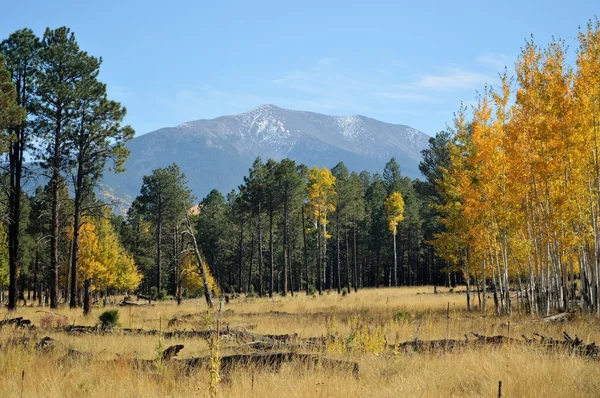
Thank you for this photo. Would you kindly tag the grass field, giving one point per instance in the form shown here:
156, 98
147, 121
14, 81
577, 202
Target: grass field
375, 318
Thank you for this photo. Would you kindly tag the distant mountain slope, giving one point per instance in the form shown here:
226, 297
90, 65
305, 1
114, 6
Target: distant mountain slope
217, 153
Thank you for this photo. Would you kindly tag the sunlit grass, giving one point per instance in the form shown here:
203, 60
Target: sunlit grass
389, 315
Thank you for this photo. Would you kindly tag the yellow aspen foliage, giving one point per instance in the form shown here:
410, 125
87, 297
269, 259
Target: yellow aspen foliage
127, 278
4, 271
521, 198
321, 196
394, 207
191, 279
102, 259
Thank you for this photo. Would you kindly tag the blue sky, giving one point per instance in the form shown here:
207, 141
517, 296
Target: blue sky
401, 63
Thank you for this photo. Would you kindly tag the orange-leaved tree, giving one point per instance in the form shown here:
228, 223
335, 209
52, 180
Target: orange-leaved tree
321, 202
394, 207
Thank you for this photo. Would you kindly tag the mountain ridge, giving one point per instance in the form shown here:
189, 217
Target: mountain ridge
216, 153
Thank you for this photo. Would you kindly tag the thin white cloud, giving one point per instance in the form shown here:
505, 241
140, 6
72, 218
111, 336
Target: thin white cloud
497, 61
454, 79
330, 86
404, 96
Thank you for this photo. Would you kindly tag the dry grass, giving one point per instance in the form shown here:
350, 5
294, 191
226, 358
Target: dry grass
391, 315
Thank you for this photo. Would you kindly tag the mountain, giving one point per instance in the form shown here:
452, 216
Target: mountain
217, 153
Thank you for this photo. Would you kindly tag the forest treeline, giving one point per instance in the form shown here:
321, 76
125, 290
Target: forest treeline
521, 195
509, 201
288, 228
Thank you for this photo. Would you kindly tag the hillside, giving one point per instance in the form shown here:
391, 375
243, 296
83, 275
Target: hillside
217, 153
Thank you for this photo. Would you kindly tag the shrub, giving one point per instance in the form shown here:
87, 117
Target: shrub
251, 292
345, 291
109, 319
153, 292
401, 316
162, 294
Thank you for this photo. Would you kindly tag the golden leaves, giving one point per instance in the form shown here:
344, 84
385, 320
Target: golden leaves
321, 196
394, 207
102, 258
526, 176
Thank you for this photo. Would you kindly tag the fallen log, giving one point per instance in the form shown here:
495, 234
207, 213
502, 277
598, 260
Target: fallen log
265, 361
228, 334
270, 361
421, 346
562, 317
18, 322
494, 340
135, 304
574, 346
46, 344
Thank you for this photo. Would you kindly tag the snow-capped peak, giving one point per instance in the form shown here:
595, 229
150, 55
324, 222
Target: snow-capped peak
351, 127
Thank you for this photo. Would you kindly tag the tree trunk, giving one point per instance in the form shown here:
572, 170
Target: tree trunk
319, 265
16, 167
272, 260
159, 250
467, 280
355, 260
241, 257
395, 261
305, 250
286, 248
87, 297
75, 242
251, 261
55, 227
484, 281
337, 252
347, 262
261, 290
207, 292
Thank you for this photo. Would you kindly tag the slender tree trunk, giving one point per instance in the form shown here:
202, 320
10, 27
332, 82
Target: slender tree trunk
286, 249
337, 252
35, 275
251, 261
271, 251
347, 262
305, 250
319, 264
201, 265
468, 281
395, 261
241, 257
159, 252
292, 268
484, 281
75, 242
55, 227
355, 273
87, 297
261, 290
16, 167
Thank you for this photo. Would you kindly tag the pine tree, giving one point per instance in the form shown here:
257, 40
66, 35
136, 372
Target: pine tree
289, 187
97, 139
255, 195
12, 113
65, 73
164, 198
